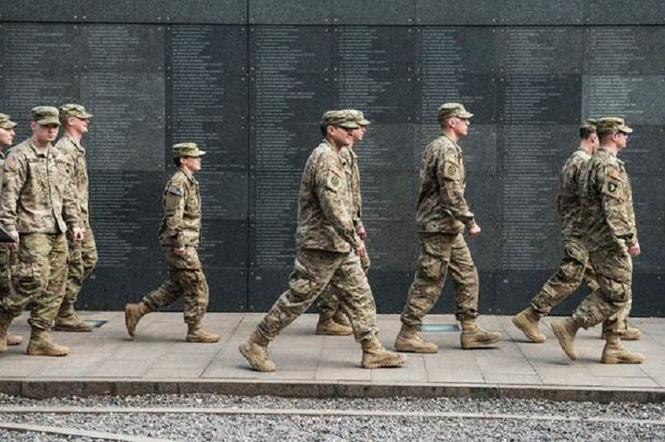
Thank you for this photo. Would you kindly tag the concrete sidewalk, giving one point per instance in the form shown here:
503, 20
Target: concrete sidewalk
158, 360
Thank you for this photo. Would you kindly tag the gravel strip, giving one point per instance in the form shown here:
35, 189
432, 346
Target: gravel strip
193, 427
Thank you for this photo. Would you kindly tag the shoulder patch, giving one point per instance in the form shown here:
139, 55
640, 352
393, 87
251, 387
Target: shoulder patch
612, 187
450, 170
333, 180
175, 190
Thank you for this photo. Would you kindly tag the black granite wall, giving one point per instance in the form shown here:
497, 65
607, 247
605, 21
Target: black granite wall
249, 80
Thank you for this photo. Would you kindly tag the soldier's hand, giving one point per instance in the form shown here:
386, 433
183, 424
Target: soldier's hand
15, 237
634, 250
181, 251
474, 230
360, 249
362, 233
77, 232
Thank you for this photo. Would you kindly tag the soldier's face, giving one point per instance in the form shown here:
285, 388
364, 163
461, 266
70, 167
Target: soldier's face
621, 140
79, 124
193, 164
359, 134
340, 136
45, 133
462, 126
6, 137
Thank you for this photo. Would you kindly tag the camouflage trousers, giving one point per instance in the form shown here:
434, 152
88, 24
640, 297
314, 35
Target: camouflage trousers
187, 281
39, 279
329, 301
611, 302
7, 257
439, 254
81, 261
314, 270
573, 269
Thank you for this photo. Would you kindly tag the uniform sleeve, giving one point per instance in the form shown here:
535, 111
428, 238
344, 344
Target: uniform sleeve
70, 207
174, 208
617, 204
357, 198
13, 178
449, 175
330, 183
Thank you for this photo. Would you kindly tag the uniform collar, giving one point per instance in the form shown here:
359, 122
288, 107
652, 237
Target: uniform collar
77, 144
189, 176
40, 151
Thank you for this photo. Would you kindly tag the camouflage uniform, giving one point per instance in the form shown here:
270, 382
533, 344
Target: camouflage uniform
82, 254
325, 250
181, 227
6, 254
608, 221
574, 266
329, 301
442, 215
38, 203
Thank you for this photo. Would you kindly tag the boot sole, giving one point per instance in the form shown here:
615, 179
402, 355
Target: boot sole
245, 354
407, 349
41, 353
619, 361
386, 365
556, 329
61, 328
130, 331
327, 333
529, 336
201, 341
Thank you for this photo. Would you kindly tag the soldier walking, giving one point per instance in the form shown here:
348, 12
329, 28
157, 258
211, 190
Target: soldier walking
82, 254
610, 236
442, 216
574, 267
37, 207
180, 236
328, 251
7, 252
332, 320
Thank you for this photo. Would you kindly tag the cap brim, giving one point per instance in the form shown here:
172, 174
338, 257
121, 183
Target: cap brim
8, 125
201, 153
465, 115
45, 121
349, 125
84, 116
625, 129
364, 122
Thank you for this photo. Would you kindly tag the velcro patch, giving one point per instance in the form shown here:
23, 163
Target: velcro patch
612, 187
333, 181
451, 170
175, 190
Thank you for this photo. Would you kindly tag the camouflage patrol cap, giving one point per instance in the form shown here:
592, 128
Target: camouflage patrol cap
338, 118
74, 110
358, 117
182, 150
609, 125
44, 115
5, 122
449, 110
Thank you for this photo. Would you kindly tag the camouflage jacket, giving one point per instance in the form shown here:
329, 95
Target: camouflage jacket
441, 204
76, 168
181, 220
353, 175
36, 195
568, 200
324, 203
607, 215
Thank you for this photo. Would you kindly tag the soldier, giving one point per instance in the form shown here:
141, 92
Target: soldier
442, 216
574, 266
37, 207
7, 254
610, 236
180, 236
82, 254
328, 251
332, 320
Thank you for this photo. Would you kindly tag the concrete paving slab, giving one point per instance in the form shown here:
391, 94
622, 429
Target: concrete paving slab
158, 360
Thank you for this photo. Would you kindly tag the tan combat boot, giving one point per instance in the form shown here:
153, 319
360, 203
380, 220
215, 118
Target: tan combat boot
71, 323
255, 350
475, 337
328, 327
14, 339
196, 333
408, 340
565, 332
615, 353
341, 318
133, 314
527, 321
376, 356
631, 333
4, 325
41, 345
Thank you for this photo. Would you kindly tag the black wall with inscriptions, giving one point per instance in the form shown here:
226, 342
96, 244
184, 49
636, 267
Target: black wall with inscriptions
249, 79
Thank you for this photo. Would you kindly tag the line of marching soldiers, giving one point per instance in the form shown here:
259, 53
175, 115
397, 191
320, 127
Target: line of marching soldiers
44, 211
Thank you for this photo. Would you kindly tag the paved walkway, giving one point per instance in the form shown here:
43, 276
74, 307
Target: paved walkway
106, 361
